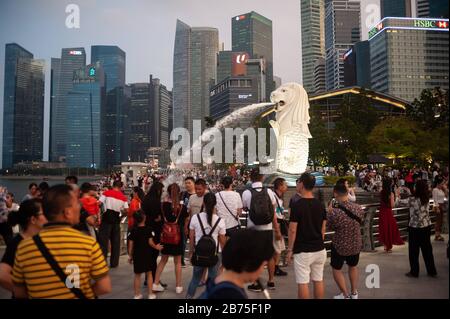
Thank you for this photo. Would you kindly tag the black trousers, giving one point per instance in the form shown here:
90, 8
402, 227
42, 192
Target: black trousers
419, 239
110, 232
6, 232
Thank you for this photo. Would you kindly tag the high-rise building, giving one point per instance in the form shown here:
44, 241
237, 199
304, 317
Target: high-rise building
113, 62
72, 59
194, 71
23, 112
277, 80
319, 76
409, 55
140, 122
342, 30
223, 65
357, 65
313, 38
85, 102
161, 101
231, 94
432, 8
252, 33
395, 8
55, 70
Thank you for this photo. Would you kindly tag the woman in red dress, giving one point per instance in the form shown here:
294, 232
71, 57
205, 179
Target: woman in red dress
389, 234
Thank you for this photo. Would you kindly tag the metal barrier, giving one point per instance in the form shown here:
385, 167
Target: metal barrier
369, 228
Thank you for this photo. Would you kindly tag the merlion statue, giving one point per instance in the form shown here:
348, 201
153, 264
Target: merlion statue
291, 128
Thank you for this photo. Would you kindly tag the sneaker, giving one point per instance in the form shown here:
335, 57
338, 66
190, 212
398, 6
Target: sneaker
341, 296
354, 295
138, 297
271, 285
179, 290
163, 284
255, 288
279, 272
152, 296
158, 288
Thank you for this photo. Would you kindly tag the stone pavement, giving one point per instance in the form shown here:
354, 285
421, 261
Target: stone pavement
393, 283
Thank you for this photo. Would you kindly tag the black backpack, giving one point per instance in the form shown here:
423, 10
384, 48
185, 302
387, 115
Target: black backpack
206, 251
261, 208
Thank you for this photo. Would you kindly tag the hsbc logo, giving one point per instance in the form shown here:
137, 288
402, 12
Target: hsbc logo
442, 24
75, 52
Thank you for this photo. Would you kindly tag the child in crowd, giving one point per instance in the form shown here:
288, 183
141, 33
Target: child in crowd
139, 253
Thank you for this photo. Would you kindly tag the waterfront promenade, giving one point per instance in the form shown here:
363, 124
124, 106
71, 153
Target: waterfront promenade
393, 283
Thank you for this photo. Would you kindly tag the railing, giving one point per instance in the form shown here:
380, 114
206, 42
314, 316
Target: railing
369, 228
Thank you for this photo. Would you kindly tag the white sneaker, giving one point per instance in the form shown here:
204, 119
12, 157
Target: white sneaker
354, 296
341, 296
152, 296
179, 290
158, 288
138, 297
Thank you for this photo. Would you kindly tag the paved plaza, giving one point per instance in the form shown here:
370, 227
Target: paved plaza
393, 283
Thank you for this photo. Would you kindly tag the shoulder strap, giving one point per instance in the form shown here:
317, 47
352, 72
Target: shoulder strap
278, 203
229, 210
201, 224
54, 264
214, 227
350, 214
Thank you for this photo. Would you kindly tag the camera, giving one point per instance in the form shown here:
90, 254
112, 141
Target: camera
334, 203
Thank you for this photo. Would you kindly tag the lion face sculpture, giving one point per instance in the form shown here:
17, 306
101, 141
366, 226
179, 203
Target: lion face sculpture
292, 107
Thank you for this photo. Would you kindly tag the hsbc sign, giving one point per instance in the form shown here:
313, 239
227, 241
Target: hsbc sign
411, 24
75, 52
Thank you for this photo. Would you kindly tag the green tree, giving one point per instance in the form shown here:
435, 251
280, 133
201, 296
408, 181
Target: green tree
431, 109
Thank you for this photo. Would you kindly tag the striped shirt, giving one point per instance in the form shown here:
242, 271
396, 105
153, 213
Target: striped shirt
71, 249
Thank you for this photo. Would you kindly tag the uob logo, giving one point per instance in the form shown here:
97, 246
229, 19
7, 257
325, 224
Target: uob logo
241, 58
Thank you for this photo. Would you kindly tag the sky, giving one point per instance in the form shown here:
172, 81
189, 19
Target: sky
145, 30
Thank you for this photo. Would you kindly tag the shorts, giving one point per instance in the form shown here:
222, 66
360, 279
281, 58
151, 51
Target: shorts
278, 245
309, 266
337, 261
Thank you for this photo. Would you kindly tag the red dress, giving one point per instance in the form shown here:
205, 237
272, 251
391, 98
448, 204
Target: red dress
389, 234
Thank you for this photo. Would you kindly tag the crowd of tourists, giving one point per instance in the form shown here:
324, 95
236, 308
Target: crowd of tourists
228, 237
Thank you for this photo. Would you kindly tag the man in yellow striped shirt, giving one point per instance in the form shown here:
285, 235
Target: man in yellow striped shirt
79, 256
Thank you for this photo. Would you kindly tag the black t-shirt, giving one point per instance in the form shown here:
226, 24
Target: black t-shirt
11, 249
140, 237
171, 215
152, 209
223, 290
309, 213
294, 199
185, 198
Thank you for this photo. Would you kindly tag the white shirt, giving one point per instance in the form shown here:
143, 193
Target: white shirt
438, 196
233, 202
246, 200
195, 226
278, 206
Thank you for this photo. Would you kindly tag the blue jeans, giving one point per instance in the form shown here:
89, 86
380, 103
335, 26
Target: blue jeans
197, 274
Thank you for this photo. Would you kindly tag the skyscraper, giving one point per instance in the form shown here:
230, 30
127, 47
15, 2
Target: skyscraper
223, 65
194, 71
404, 73
313, 39
140, 122
432, 8
55, 70
395, 8
71, 59
252, 33
113, 62
342, 30
84, 104
161, 101
23, 113
319, 76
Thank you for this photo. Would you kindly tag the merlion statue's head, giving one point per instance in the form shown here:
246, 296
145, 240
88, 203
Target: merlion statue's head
291, 105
